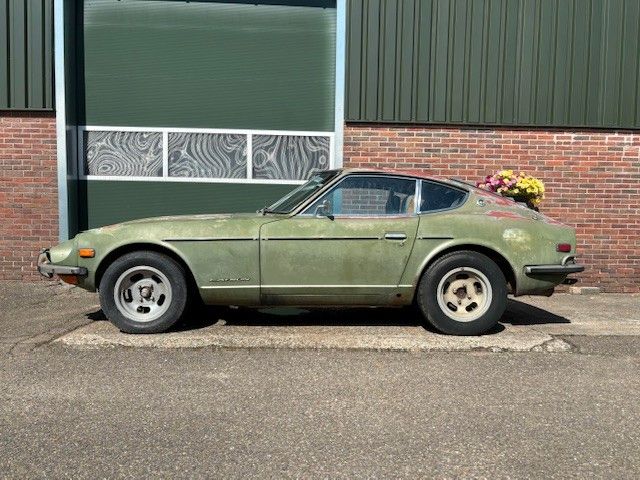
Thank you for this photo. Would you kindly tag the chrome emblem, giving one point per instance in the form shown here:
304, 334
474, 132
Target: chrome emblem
223, 280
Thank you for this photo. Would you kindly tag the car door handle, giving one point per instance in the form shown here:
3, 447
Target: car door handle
395, 236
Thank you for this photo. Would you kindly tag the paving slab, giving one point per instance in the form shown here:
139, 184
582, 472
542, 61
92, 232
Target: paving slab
32, 315
101, 334
529, 324
564, 314
307, 334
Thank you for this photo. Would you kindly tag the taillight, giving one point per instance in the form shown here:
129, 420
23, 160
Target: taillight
563, 247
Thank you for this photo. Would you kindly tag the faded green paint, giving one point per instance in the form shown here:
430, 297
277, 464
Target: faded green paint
242, 65
519, 235
26, 55
107, 202
322, 266
252, 259
494, 62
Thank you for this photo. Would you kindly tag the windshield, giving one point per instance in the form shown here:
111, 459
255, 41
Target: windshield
294, 198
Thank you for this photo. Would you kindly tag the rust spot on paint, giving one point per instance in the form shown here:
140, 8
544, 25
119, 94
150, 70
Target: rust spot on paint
500, 214
550, 220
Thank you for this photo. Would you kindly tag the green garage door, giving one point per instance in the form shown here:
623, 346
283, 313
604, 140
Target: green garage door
201, 106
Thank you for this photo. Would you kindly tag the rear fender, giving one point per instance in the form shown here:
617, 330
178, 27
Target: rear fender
452, 245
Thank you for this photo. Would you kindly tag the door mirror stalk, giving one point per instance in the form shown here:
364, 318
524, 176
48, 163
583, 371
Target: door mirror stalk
324, 210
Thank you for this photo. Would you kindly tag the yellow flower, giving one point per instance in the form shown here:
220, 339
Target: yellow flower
521, 185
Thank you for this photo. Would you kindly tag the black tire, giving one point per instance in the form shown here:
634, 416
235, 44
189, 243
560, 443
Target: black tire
441, 316
171, 313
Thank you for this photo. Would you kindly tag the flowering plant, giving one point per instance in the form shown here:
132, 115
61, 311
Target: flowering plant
520, 186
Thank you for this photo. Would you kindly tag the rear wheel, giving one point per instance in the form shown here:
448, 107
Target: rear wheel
463, 293
143, 292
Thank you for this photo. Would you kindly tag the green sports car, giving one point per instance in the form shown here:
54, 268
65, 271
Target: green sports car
344, 238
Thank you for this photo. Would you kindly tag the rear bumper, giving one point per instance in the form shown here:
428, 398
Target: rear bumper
48, 270
553, 269
567, 266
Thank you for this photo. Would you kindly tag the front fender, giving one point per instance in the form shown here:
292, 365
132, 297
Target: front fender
109, 247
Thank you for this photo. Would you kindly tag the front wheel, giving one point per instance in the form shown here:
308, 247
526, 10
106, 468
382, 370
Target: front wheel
143, 292
463, 293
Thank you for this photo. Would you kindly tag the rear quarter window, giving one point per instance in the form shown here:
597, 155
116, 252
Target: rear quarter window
436, 196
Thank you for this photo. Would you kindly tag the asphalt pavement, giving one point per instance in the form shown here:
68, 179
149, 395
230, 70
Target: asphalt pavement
324, 409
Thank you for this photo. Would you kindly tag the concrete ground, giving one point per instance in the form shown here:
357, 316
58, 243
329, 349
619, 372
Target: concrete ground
73, 317
530, 324
358, 393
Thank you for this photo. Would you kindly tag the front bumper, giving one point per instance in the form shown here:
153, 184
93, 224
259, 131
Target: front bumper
48, 270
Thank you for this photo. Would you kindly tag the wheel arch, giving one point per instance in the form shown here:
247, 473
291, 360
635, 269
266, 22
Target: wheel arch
117, 252
500, 260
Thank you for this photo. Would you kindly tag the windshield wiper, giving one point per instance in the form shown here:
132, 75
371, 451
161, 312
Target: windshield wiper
265, 210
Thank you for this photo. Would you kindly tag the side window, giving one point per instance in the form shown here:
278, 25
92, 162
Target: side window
361, 195
435, 196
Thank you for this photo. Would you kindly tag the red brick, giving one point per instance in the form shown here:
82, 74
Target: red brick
27, 189
592, 179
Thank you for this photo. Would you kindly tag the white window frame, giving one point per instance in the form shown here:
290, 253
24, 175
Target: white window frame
165, 131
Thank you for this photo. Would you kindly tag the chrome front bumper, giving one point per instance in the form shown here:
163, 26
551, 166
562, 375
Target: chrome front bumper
48, 270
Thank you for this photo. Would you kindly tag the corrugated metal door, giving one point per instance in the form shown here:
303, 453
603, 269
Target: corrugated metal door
26, 54
495, 62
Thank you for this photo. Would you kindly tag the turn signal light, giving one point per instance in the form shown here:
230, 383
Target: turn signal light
70, 279
563, 247
87, 252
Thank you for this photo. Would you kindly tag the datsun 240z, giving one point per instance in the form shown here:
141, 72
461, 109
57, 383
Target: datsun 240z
344, 238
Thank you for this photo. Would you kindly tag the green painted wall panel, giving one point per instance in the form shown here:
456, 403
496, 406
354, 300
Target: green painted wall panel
422, 60
209, 64
4, 55
630, 66
106, 202
35, 49
494, 62
17, 54
26, 55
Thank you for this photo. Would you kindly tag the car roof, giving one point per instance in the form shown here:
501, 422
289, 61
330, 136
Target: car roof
405, 173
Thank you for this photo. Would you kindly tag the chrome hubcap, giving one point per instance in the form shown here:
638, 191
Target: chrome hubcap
142, 293
464, 294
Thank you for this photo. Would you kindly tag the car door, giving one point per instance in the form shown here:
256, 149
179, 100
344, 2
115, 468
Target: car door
351, 246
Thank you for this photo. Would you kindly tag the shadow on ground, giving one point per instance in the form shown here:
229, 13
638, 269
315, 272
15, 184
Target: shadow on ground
520, 313
292, 317
517, 313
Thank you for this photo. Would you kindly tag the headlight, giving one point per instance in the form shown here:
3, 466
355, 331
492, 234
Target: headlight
62, 252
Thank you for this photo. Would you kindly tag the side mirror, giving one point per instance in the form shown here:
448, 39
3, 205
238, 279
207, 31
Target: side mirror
324, 210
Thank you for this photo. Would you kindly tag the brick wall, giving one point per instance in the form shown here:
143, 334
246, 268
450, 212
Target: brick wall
28, 191
592, 180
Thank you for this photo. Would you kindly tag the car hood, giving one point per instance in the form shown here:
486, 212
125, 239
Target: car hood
197, 227
193, 218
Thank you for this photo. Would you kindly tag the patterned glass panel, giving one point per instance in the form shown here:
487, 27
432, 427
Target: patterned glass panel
289, 157
130, 154
207, 155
